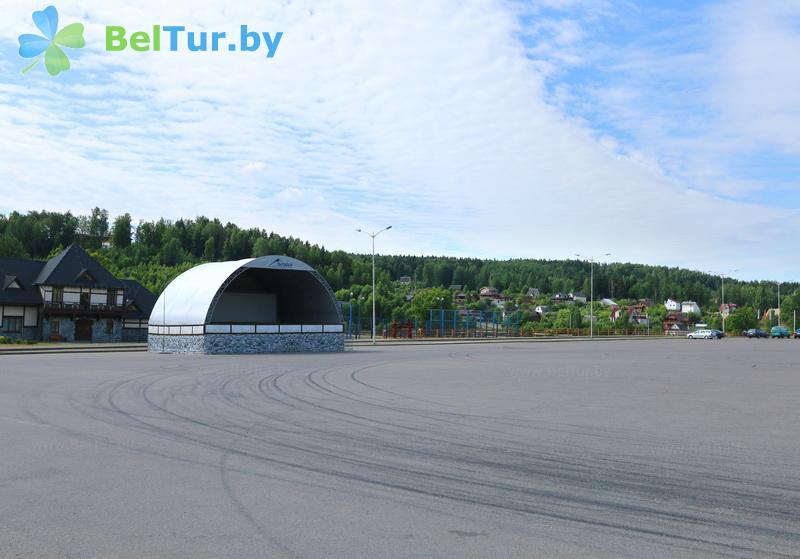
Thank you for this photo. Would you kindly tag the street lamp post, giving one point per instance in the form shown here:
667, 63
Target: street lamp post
373, 235
591, 289
722, 303
779, 302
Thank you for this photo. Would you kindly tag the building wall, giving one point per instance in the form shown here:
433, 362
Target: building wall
134, 335
30, 322
67, 329
99, 331
28, 333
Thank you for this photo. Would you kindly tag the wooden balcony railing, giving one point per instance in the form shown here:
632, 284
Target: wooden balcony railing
60, 308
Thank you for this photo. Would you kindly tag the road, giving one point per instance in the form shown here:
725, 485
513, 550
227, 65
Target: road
657, 448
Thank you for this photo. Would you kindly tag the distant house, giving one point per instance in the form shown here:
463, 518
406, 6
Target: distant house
647, 303
634, 315
561, 297
727, 309
489, 293
608, 303
675, 323
577, 297
405, 279
460, 298
672, 305
456, 287
533, 292
637, 308
690, 307
639, 318
771, 314
542, 310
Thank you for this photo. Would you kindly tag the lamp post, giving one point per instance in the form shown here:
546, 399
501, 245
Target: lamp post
373, 235
591, 289
722, 303
779, 301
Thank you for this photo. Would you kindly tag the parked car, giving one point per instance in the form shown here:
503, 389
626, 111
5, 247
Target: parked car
779, 332
718, 333
703, 334
797, 333
755, 333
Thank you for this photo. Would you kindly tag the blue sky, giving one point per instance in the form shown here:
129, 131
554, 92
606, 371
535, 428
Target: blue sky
662, 132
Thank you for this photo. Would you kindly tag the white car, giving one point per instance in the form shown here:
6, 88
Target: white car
702, 335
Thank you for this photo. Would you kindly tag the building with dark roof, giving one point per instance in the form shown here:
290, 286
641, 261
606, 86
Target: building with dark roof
70, 297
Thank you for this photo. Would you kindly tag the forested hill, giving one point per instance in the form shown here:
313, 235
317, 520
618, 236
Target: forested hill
154, 252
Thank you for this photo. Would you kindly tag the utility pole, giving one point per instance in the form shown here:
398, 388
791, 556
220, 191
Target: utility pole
373, 235
591, 289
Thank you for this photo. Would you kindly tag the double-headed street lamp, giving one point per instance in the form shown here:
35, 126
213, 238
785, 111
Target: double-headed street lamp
591, 288
373, 235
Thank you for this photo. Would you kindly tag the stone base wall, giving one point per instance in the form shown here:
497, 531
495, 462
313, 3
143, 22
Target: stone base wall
66, 328
99, 334
247, 343
30, 333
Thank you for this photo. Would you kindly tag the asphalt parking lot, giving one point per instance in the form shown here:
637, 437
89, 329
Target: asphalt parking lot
657, 448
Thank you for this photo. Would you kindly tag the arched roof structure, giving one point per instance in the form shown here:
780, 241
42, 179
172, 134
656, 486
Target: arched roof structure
267, 290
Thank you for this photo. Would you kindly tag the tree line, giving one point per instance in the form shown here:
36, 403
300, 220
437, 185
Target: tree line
154, 252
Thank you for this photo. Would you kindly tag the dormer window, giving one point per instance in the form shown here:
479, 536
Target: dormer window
9, 282
85, 276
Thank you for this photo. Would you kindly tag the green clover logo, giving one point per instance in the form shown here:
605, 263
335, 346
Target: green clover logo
50, 45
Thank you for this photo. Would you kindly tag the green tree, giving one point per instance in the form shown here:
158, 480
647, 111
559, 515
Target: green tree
98, 225
742, 319
10, 246
430, 298
209, 250
171, 253
121, 231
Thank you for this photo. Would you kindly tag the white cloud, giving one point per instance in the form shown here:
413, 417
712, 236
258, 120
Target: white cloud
434, 119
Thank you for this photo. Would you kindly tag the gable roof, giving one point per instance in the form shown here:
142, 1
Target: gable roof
139, 295
74, 266
23, 272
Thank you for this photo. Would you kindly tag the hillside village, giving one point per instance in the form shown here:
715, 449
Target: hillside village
538, 311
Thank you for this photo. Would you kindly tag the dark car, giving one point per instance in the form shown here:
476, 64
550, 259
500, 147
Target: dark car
718, 333
797, 333
755, 333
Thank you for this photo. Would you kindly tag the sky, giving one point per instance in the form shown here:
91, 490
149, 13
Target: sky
661, 132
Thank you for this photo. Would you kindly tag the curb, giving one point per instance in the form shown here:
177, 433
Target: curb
351, 344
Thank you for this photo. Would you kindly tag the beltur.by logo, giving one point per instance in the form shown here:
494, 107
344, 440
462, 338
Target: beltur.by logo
177, 38
49, 45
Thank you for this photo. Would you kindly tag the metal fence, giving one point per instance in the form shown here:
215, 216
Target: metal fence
439, 323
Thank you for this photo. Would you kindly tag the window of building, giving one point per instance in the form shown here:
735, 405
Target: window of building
12, 324
58, 294
55, 327
111, 298
109, 326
